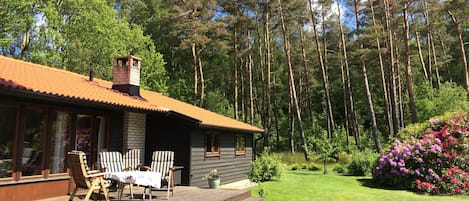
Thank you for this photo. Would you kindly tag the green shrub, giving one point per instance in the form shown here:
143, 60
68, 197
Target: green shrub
339, 169
294, 167
344, 158
362, 163
304, 166
265, 168
313, 167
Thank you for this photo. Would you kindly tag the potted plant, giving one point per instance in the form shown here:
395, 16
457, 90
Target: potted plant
213, 179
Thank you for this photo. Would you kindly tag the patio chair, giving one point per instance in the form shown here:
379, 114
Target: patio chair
132, 159
83, 179
112, 162
162, 162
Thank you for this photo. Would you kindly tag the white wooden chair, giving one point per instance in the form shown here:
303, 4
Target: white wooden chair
82, 178
162, 162
132, 159
113, 162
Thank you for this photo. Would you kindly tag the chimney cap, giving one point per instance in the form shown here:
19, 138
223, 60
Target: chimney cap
128, 56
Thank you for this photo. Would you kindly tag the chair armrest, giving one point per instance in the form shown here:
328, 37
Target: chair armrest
145, 168
97, 175
127, 168
94, 171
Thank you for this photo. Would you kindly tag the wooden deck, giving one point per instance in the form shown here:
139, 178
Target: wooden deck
181, 193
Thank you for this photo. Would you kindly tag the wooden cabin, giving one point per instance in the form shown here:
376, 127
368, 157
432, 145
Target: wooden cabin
46, 112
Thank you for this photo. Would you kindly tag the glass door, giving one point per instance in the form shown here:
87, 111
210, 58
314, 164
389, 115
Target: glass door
91, 136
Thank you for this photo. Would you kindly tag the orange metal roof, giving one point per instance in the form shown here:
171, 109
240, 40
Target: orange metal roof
26, 76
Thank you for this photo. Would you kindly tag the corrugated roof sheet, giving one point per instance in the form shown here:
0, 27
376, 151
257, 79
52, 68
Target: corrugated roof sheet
26, 76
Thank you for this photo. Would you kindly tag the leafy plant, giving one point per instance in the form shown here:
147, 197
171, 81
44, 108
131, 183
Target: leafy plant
339, 169
436, 163
362, 163
213, 174
265, 168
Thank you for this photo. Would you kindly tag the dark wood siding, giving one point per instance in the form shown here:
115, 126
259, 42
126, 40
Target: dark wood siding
116, 131
230, 167
168, 134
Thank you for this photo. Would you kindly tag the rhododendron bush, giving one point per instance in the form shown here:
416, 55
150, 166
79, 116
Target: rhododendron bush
437, 163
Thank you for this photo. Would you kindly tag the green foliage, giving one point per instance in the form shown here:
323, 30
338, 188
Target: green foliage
417, 130
294, 167
430, 102
340, 169
313, 167
327, 150
344, 158
292, 158
362, 163
266, 167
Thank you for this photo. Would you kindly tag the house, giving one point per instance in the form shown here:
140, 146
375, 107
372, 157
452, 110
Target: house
46, 112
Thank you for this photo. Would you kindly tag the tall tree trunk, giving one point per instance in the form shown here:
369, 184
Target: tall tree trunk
292, 120
408, 74
235, 69
392, 77
196, 69
202, 80
251, 94
443, 49
435, 61
330, 118
353, 119
372, 115
383, 76
399, 93
422, 62
429, 41
344, 92
286, 46
275, 109
306, 75
267, 73
463, 51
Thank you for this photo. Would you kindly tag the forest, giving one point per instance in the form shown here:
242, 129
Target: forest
352, 71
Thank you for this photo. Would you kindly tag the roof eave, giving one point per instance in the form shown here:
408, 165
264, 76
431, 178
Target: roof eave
22, 93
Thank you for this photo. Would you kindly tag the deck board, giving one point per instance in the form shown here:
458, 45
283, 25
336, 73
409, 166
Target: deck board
181, 193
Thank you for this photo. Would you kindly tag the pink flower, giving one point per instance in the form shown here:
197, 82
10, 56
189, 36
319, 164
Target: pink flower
454, 181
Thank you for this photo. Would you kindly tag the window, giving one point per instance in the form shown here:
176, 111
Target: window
240, 148
60, 141
7, 133
34, 133
212, 145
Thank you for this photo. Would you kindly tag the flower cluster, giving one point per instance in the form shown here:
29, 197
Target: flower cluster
213, 174
436, 163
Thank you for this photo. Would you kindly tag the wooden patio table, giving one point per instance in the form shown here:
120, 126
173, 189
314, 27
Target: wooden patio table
143, 178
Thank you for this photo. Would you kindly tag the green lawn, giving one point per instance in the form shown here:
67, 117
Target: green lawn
306, 185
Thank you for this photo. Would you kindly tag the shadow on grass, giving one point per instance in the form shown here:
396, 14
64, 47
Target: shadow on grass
370, 183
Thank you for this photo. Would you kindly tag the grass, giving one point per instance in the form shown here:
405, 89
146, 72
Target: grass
307, 185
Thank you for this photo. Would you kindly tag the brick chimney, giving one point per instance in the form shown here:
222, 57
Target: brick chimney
126, 77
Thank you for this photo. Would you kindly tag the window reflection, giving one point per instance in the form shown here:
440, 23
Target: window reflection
60, 134
33, 135
7, 133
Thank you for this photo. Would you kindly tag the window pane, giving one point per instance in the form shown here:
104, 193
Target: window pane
240, 143
208, 143
7, 133
84, 135
61, 132
33, 135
